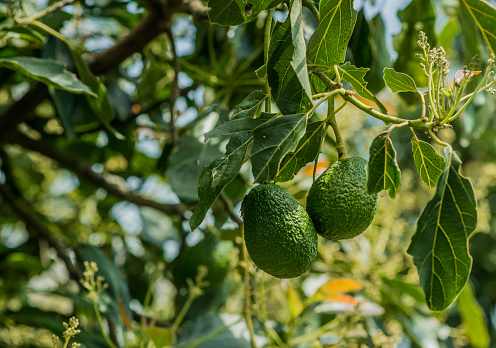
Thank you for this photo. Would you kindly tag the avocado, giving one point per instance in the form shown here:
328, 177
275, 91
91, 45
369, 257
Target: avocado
279, 235
338, 201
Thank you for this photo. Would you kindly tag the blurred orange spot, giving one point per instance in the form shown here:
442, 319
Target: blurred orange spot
321, 166
136, 108
337, 287
343, 299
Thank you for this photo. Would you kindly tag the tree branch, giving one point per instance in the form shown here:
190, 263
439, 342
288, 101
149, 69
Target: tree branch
37, 229
21, 110
105, 180
175, 91
155, 23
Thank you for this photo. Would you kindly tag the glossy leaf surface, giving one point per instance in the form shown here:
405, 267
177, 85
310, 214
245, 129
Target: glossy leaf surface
383, 171
440, 244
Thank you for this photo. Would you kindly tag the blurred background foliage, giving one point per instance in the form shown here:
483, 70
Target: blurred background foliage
75, 189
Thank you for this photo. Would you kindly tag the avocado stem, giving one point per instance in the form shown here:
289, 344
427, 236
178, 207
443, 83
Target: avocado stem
331, 121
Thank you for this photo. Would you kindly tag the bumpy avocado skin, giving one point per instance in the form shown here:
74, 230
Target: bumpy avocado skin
338, 201
209, 252
280, 236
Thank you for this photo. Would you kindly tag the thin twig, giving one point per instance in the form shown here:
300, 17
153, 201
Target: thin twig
105, 180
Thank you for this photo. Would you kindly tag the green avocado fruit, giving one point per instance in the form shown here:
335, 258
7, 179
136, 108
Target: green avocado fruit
279, 235
210, 252
338, 201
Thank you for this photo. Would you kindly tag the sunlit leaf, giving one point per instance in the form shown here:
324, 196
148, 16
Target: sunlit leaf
440, 244
473, 318
383, 171
272, 141
160, 336
430, 164
484, 14
49, 72
295, 303
399, 82
329, 42
355, 76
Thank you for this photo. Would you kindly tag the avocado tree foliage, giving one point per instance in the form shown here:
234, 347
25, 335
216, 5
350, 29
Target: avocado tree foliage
144, 119
297, 74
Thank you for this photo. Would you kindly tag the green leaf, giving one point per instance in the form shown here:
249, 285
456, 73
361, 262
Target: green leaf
262, 71
160, 336
233, 127
472, 38
249, 106
473, 318
219, 173
355, 76
383, 170
399, 82
49, 72
272, 141
286, 89
484, 15
329, 42
430, 164
307, 150
299, 59
440, 244
224, 169
235, 12
101, 105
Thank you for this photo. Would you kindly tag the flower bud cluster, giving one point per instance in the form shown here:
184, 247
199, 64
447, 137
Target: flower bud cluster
95, 286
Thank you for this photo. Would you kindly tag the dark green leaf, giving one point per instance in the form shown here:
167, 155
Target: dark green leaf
272, 141
219, 173
249, 105
399, 82
473, 318
440, 244
430, 164
233, 127
186, 163
383, 170
299, 59
235, 12
286, 89
101, 105
307, 150
224, 169
328, 44
355, 76
49, 72
484, 15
